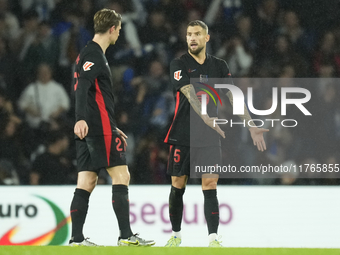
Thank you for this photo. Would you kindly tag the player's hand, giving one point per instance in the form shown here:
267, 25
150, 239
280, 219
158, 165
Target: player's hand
81, 129
123, 136
257, 136
210, 122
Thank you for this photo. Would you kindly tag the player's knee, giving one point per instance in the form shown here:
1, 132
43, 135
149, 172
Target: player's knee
121, 178
179, 183
127, 178
87, 185
209, 185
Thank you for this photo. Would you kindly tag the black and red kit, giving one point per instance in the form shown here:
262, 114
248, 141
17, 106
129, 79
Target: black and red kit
94, 103
192, 142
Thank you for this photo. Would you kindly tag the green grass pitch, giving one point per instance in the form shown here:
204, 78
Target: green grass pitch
64, 250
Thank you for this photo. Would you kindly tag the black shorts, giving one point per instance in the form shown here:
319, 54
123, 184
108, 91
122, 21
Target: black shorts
183, 159
100, 152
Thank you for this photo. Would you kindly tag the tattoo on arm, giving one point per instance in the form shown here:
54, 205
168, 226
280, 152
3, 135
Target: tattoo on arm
190, 94
246, 116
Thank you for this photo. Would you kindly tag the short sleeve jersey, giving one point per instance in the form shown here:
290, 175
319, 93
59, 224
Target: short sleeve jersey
93, 89
182, 69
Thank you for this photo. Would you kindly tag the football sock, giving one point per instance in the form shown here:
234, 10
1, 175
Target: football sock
120, 204
177, 234
79, 206
211, 210
212, 237
176, 208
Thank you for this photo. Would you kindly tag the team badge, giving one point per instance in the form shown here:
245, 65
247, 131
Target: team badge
203, 78
177, 75
87, 66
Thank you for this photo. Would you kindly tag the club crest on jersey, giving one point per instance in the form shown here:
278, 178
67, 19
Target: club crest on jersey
87, 66
203, 78
177, 75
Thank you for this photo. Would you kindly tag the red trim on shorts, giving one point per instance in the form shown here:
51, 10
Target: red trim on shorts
105, 121
169, 155
176, 109
76, 75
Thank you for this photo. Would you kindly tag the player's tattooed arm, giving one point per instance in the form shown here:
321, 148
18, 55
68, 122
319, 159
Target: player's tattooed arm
189, 92
246, 116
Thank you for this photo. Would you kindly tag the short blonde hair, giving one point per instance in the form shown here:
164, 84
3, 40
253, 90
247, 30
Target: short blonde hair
104, 19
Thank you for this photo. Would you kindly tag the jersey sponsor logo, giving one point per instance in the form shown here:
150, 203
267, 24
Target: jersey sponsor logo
191, 70
87, 66
177, 75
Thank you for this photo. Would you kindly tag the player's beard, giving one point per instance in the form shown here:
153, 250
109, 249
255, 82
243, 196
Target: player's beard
197, 51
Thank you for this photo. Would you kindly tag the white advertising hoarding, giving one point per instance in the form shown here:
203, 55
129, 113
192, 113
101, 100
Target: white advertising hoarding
249, 216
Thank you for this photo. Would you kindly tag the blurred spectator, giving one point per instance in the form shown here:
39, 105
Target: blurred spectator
9, 23
87, 11
328, 116
72, 36
148, 89
221, 15
266, 24
237, 55
174, 10
51, 167
44, 100
8, 174
42, 7
140, 170
156, 35
11, 152
245, 31
27, 35
128, 47
162, 113
284, 55
156, 29
327, 54
7, 70
179, 39
302, 41
150, 163
44, 49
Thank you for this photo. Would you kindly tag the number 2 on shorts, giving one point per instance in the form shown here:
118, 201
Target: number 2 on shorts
119, 143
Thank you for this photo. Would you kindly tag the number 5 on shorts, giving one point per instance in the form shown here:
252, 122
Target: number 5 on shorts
177, 157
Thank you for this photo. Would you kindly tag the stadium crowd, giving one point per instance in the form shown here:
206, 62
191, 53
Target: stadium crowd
260, 39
